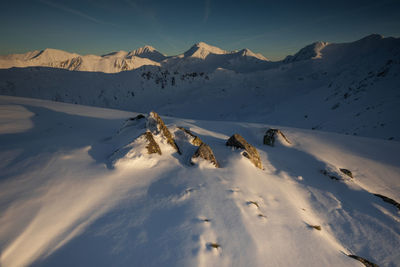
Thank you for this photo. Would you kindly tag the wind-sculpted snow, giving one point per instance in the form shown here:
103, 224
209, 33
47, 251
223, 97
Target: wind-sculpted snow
60, 205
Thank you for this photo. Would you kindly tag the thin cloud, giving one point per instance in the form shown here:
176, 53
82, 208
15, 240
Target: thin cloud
207, 10
142, 9
72, 11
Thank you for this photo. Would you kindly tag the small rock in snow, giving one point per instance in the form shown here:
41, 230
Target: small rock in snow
270, 135
205, 152
196, 141
152, 146
250, 152
157, 125
366, 262
389, 200
347, 172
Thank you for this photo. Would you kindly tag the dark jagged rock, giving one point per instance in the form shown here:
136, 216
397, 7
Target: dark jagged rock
347, 172
316, 227
366, 262
212, 245
389, 200
205, 152
250, 152
330, 175
138, 117
156, 124
196, 140
133, 121
152, 146
270, 135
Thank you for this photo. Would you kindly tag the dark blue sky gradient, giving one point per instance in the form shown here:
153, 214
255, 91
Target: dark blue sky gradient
273, 28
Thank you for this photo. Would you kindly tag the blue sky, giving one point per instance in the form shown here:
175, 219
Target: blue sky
273, 28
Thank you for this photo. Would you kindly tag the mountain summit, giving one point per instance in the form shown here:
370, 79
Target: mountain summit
202, 50
149, 52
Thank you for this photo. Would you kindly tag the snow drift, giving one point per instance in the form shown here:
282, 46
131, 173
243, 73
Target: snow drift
61, 204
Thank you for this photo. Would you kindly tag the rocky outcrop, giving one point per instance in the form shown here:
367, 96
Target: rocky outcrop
152, 146
132, 121
196, 141
250, 152
271, 135
138, 117
205, 152
157, 125
347, 172
389, 200
366, 262
330, 174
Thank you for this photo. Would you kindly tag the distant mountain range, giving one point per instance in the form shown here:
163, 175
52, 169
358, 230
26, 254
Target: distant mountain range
200, 57
209, 56
350, 88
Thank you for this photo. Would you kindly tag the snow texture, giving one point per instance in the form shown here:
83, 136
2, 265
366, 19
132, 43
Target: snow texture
62, 205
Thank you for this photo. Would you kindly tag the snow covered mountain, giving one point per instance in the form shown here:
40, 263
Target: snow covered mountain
203, 57
78, 188
148, 52
200, 57
250, 163
110, 63
349, 88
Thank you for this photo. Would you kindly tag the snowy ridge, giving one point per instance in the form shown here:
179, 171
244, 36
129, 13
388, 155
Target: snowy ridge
312, 51
122, 61
148, 52
202, 50
110, 63
249, 53
61, 205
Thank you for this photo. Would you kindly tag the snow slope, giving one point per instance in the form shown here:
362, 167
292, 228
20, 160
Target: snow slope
63, 202
350, 88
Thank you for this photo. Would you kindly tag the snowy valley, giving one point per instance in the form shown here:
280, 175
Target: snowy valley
90, 176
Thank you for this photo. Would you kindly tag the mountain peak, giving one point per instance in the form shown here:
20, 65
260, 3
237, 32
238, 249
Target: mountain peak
149, 52
371, 37
311, 51
51, 54
202, 50
146, 48
247, 52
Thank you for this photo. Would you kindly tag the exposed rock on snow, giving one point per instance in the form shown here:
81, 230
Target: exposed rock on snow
250, 152
347, 172
196, 141
142, 145
205, 152
255, 203
334, 174
133, 121
157, 125
212, 245
367, 263
389, 200
331, 175
271, 134
316, 227
152, 146
138, 117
